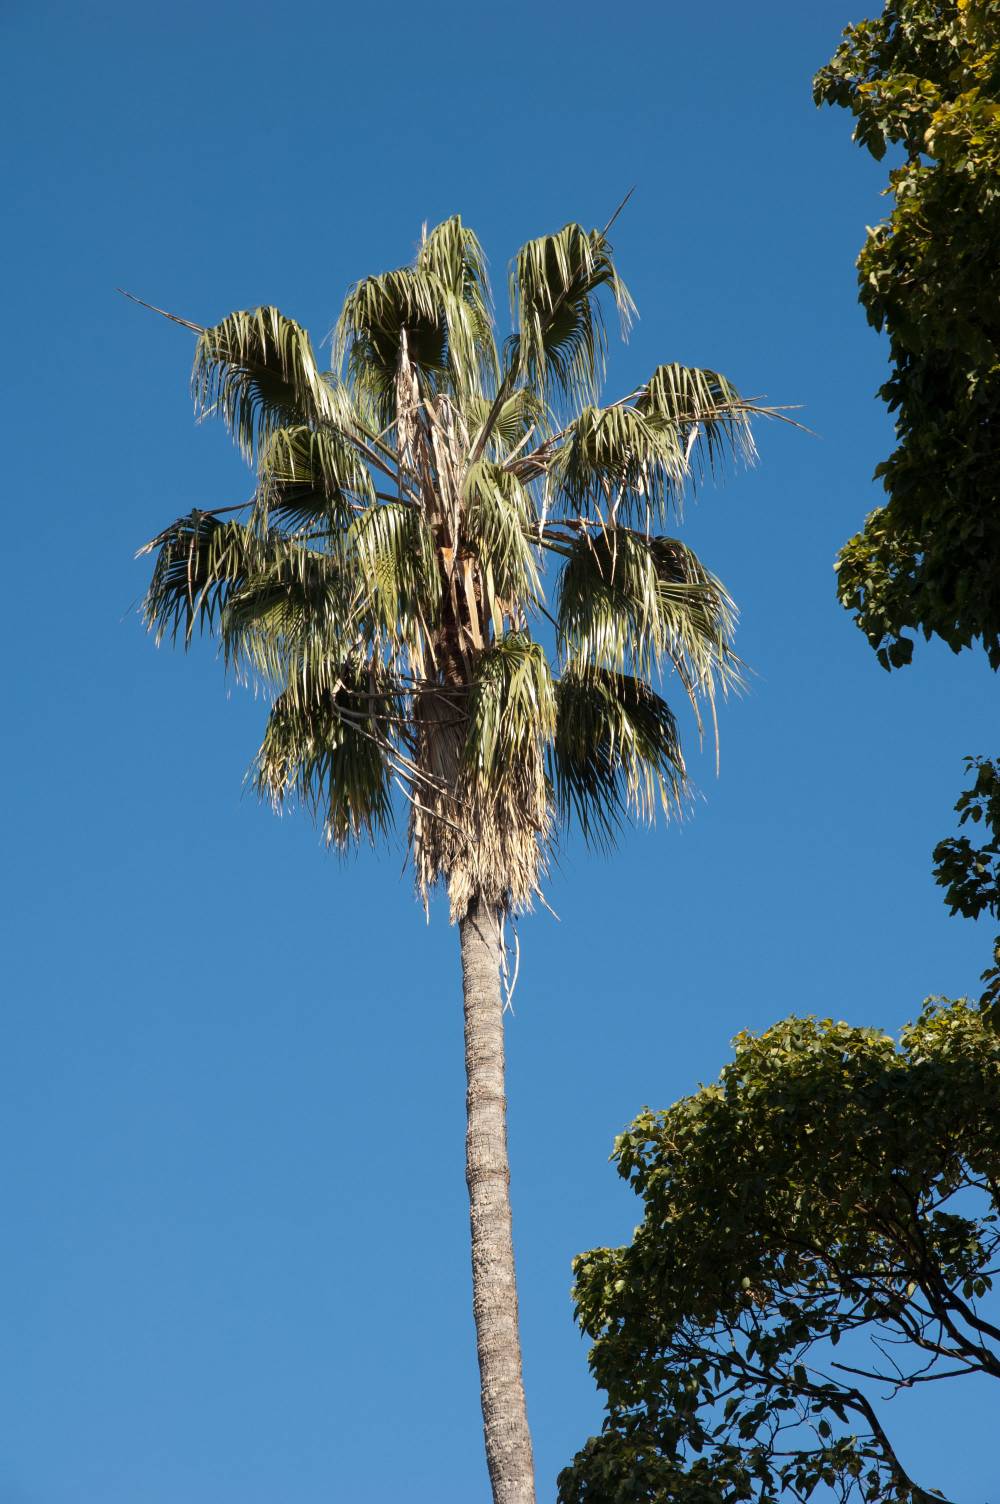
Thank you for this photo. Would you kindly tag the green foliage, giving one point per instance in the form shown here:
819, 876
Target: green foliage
628, 603
383, 582
257, 371
560, 326
325, 746
616, 751
821, 1220
970, 875
925, 77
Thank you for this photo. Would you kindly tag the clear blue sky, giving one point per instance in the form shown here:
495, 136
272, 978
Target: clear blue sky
234, 1257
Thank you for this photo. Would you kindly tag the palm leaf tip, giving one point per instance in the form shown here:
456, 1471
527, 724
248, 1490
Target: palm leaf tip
705, 410
199, 560
560, 326
453, 254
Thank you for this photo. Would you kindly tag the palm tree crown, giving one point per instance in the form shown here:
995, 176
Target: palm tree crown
386, 579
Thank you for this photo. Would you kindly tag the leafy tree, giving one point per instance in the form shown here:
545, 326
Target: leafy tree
925, 78
970, 874
385, 583
831, 1187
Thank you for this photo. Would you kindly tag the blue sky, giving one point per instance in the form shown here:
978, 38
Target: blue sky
234, 1264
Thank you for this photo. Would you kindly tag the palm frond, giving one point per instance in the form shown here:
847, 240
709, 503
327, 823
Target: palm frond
628, 603
390, 554
452, 253
705, 409
257, 371
616, 461
293, 620
328, 749
437, 312
633, 459
378, 314
517, 420
511, 710
278, 607
560, 337
616, 752
200, 559
310, 479
498, 519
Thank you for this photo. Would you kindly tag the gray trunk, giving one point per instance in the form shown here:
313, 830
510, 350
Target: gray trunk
487, 1173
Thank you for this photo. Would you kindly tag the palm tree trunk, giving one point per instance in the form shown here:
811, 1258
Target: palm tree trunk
487, 1173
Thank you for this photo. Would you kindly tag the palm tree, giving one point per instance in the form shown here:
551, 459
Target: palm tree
385, 582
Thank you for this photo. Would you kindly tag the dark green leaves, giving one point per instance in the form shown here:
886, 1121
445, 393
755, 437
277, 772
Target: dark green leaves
381, 316
830, 1184
970, 872
389, 555
498, 525
926, 76
434, 315
616, 751
200, 559
310, 479
633, 460
511, 710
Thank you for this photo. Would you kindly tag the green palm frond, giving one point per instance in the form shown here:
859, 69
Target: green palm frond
294, 619
511, 710
710, 417
310, 480
257, 371
390, 554
616, 752
560, 336
518, 420
276, 606
615, 460
200, 559
498, 520
632, 459
435, 315
452, 253
378, 315
328, 749
628, 603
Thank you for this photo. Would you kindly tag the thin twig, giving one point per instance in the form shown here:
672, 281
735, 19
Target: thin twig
614, 216
173, 317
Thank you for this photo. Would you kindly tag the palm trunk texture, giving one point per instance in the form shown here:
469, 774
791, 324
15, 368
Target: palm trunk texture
487, 1173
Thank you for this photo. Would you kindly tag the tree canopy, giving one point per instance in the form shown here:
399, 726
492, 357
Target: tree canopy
925, 78
385, 582
819, 1226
